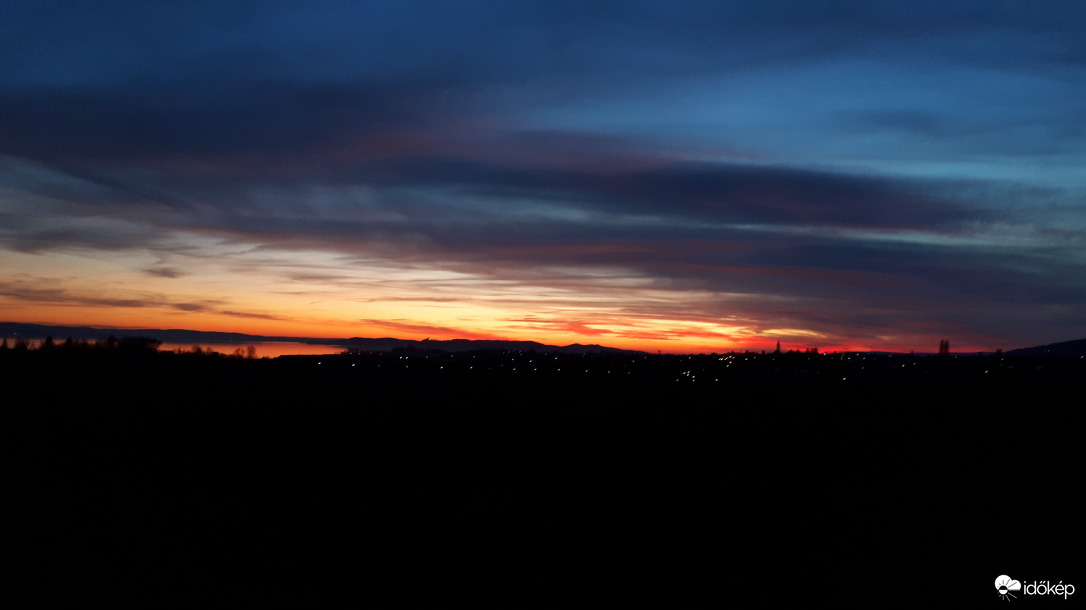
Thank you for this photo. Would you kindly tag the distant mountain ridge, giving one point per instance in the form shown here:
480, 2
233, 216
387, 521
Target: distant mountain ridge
1063, 348
385, 344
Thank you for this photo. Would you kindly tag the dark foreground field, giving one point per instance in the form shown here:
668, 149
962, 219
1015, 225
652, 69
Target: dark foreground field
411, 480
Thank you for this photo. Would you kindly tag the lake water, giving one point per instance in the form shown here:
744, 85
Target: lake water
269, 349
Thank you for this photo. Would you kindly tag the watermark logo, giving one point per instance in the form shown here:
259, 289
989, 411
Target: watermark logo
1005, 585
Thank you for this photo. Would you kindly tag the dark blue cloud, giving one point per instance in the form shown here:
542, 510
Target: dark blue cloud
215, 117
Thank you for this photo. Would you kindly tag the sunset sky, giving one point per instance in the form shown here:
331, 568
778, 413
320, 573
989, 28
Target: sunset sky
680, 176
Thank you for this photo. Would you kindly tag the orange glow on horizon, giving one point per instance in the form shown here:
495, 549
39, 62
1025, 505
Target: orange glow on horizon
107, 318
312, 294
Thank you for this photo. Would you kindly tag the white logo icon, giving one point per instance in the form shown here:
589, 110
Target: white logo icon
1005, 584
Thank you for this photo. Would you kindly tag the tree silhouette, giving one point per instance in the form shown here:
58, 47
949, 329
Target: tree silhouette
139, 344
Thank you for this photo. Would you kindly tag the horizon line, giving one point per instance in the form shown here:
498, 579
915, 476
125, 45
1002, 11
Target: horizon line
304, 339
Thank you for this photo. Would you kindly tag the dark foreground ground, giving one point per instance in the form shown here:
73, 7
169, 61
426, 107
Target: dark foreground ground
411, 480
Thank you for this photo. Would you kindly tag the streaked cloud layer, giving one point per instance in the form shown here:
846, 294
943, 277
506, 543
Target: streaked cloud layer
681, 177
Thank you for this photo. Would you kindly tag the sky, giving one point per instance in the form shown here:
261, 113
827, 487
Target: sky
679, 177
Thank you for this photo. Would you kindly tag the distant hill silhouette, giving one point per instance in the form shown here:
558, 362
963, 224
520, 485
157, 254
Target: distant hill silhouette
468, 345
385, 344
1064, 348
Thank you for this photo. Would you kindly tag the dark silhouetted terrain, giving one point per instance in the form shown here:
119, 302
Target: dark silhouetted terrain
522, 479
1063, 348
383, 344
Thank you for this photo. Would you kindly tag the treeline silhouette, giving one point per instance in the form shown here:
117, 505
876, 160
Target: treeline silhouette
122, 344
518, 479
126, 344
